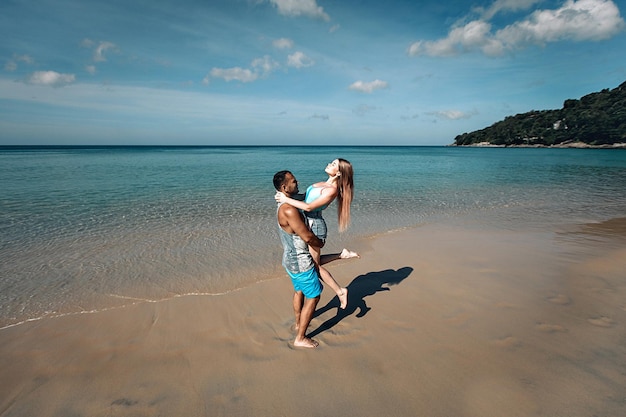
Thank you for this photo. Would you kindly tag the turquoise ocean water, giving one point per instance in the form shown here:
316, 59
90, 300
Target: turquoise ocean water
89, 228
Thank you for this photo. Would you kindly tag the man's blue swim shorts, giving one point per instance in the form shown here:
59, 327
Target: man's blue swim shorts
308, 282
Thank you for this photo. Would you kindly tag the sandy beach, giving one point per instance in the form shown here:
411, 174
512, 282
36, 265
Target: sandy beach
443, 320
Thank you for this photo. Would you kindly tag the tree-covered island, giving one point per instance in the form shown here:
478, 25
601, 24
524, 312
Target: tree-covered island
596, 120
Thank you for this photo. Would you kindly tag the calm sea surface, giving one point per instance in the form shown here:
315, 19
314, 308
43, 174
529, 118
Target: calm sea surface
85, 229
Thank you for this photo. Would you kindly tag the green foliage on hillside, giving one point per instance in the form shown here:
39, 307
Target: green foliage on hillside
596, 119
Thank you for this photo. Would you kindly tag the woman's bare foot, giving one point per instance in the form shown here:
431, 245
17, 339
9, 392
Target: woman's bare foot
306, 342
343, 298
347, 254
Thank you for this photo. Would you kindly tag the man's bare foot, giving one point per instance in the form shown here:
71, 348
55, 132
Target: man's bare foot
347, 254
306, 342
343, 298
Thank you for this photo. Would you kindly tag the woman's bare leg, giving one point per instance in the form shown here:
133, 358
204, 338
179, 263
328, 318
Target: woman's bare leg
328, 279
345, 254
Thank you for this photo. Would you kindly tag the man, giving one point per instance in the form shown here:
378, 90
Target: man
297, 260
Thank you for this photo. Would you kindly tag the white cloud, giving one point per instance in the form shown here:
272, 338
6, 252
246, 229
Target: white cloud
24, 58
581, 20
50, 78
473, 35
234, 74
505, 6
369, 87
260, 67
11, 64
577, 20
264, 66
299, 60
100, 48
283, 43
91, 69
300, 8
451, 114
98, 53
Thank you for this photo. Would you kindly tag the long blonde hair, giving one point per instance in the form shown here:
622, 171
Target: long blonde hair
345, 187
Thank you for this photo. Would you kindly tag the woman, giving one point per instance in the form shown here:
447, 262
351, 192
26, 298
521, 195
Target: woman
339, 185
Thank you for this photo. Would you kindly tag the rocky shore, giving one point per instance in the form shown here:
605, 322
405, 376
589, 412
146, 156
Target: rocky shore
576, 145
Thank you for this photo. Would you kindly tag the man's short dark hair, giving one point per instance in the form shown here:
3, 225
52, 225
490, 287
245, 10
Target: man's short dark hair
279, 179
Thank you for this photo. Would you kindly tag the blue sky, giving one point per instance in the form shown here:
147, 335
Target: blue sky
270, 72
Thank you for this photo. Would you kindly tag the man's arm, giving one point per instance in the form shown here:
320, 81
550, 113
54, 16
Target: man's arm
297, 200
293, 219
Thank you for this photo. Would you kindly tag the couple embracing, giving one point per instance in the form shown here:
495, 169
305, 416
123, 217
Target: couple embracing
303, 233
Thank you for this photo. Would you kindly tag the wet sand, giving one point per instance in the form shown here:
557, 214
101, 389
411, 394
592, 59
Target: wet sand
442, 321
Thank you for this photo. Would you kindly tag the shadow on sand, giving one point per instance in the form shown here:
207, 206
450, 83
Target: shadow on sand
360, 287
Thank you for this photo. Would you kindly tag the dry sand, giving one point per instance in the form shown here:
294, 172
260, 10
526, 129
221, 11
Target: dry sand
442, 321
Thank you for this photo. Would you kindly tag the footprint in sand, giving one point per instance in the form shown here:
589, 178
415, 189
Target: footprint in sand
508, 342
551, 328
560, 299
344, 335
126, 402
601, 321
260, 335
